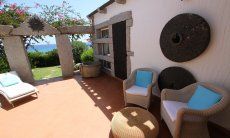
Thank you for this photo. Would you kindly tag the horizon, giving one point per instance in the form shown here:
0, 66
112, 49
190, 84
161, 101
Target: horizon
47, 47
53, 43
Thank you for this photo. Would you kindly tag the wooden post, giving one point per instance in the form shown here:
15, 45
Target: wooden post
17, 57
65, 55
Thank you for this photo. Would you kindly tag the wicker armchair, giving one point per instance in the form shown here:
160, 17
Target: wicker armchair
189, 122
141, 100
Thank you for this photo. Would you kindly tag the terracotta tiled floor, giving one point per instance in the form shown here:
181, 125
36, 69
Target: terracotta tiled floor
68, 108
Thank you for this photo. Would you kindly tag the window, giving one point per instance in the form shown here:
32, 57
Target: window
100, 49
106, 49
105, 33
103, 49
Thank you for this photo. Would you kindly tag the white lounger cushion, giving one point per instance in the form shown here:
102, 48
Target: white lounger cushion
172, 107
136, 90
12, 73
17, 90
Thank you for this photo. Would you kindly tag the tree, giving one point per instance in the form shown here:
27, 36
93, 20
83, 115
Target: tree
63, 15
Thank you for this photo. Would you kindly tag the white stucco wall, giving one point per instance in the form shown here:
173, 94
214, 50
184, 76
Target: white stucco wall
149, 18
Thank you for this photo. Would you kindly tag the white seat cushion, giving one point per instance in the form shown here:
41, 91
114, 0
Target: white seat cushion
172, 107
18, 90
136, 90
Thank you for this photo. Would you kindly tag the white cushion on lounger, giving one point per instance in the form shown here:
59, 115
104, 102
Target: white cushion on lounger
136, 90
11, 74
172, 107
17, 90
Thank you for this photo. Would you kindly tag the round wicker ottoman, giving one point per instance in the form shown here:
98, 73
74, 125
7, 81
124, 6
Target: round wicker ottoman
134, 122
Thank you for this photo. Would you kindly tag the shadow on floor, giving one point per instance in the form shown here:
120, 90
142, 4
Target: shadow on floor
51, 80
105, 91
7, 106
107, 94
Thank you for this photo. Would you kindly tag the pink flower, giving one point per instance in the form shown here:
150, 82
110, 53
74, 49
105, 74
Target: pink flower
26, 8
37, 5
20, 12
60, 15
13, 6
1, 3
1, 12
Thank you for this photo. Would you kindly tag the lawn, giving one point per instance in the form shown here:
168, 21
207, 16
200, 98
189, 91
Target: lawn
47, 72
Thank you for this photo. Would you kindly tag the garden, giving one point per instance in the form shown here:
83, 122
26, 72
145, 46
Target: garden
44, 64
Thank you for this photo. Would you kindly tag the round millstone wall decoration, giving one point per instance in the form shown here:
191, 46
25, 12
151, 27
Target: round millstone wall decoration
185, 37
175, 78
36, 24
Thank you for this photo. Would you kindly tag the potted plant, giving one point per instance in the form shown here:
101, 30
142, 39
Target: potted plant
89, 68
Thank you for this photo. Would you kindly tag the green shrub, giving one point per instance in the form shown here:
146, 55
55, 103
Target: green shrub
4, 66
48, 59
78, 48
87, 56
52, 58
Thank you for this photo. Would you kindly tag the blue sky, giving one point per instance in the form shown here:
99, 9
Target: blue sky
84, 7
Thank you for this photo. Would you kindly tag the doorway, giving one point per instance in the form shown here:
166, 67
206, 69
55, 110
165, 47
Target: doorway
119, 49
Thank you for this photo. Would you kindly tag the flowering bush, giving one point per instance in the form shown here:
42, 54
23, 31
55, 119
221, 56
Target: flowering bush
12, 14
59, 16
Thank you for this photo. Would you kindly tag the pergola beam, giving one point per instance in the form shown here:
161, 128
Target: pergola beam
5, 30
120, 1
24, 30
76, 30
8, 30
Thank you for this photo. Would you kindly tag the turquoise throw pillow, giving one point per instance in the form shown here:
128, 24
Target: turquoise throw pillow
9, 80
143, 78
203, 98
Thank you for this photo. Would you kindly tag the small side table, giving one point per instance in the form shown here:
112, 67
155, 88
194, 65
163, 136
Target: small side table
135, 122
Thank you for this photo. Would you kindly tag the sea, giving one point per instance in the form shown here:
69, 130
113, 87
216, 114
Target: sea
42, 48
45, 48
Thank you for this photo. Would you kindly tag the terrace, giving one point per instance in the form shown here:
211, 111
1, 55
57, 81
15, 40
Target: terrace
96, 100
72, 107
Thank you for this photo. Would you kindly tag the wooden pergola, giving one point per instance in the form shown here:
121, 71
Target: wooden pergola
17, 55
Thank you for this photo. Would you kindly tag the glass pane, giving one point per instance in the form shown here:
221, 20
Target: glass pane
106, 49
105, 33
100, 49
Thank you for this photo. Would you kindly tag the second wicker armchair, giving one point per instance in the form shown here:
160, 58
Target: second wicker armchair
139, 95
182, 120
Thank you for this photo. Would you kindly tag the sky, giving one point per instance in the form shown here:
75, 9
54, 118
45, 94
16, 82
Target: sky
84, 7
